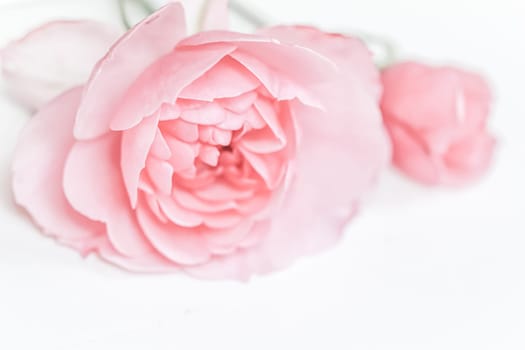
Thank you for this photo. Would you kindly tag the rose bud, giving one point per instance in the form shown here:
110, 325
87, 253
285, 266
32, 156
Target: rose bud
437, 120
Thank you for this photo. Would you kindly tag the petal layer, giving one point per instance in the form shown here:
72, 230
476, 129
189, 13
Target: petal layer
128, 58
38, 169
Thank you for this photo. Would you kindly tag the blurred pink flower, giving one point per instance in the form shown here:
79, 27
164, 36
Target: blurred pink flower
54, 58
220, 154
437, 119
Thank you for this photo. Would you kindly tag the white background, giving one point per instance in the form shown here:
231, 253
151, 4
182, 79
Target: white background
418, 269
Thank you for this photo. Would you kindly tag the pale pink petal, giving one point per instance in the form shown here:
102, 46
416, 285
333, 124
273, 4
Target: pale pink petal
254, 120
350, 54
221, 137
256, 234
150, 263
37, 174
309, 67
179, 215
271, 167
154, 37
183, 154
221, 191
216, 15
163, 81
283, 88
239, 104
210, 114
184, 131
134, 150
91, 177
211, 86
180, 245
94, 187
470, 158
412, 157
191, 202
256, 204
261, 141
209, 155
233, 121
270, 60
219, 241
169, 111
160, 148
410, 95
54, 58
154, 206
145, 184
125, 234
223, 220
161, 174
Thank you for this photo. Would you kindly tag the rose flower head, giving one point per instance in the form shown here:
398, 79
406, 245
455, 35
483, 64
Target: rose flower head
220, 154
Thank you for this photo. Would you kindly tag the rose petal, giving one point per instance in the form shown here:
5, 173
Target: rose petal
210, 114
412, 157
183, 246
220, 191
184, 131
310, 66
222, 220
183, 154
221, 137
271, 167
470, 158
209, 155
216, 15
189, 201
351, 55
150, 263
284, 88
37, 173
128, 58
408, 82
161, 174
94, 187
220, 241
92, 178
179, 215
160, 148
211, 86
66, 53
163, 81
269, 60
153, 205
125, 234
239, 104
135, 146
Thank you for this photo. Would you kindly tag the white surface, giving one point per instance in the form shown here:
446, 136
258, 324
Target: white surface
418, 269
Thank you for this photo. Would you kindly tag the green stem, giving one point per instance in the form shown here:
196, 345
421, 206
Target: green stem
144, 4
256, 19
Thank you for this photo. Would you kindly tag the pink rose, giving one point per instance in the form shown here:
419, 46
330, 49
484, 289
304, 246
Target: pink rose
220, 154
437, 119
